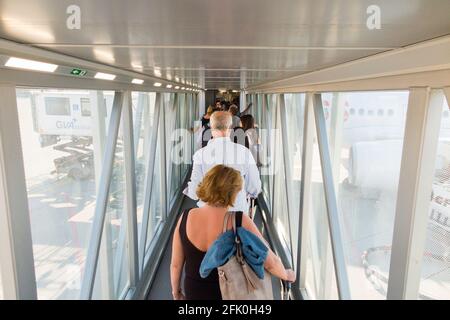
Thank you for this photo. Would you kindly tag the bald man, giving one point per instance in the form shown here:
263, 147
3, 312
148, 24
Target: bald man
221, 150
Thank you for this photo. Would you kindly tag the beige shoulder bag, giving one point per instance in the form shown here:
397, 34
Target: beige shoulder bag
237, 279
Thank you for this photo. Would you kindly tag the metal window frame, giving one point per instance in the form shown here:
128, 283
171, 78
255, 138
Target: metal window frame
130, 187
167, 166
98, 109
87, 285
142, 103
413, 196
128, 229
16, 246
164, 185
305, 192
310, 248
331, 201
336, 133
287, 171
273, 193
264, 98
149, 182
335, 144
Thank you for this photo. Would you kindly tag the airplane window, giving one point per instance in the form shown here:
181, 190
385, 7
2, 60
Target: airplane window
361, 112
445, 114
380, 112
352, 111
390, 112
371, 112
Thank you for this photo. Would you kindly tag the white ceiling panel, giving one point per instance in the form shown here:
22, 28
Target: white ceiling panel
259, 39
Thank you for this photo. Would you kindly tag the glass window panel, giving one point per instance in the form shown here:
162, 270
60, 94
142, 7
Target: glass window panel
188, 113
172, 122
143, 118
115, 241
366, 148
156, 213
435, 281
320, 273
268, 136
295, 110
60, 158
280, 208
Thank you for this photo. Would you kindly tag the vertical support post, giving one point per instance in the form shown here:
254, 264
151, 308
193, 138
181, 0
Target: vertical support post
270, 149
413, 196
201, 104
167, 167
140, 111
288, 175
305, 193
149, 182
163, 163
243, 100
147, 127
130, 188
271, 139
102, 199
331, 201
336, 129
335, 138
98, 111
16, 246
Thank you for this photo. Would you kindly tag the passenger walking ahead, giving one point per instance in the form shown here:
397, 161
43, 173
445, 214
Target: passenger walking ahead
207, 116
251, 136
197, 229
221, 150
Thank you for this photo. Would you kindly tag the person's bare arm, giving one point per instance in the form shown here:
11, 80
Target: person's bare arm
177, 263
273, 263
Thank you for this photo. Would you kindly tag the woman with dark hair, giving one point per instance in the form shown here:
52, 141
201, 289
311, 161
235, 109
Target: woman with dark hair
247, 122
251, 136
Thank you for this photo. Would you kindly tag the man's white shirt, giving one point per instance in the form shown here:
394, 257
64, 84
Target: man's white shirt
224, 151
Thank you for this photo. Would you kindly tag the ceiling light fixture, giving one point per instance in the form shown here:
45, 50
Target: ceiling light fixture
157, 72
104, 76
30, 65
137, 81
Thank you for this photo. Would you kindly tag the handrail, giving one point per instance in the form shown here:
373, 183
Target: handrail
277, 246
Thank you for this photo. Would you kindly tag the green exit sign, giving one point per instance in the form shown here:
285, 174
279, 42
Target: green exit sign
78, 72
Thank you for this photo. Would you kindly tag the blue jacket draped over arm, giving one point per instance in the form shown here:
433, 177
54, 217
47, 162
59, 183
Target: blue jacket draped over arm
253, 249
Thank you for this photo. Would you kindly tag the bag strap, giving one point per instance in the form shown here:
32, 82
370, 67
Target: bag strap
225, 221
239, 219
237, 222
